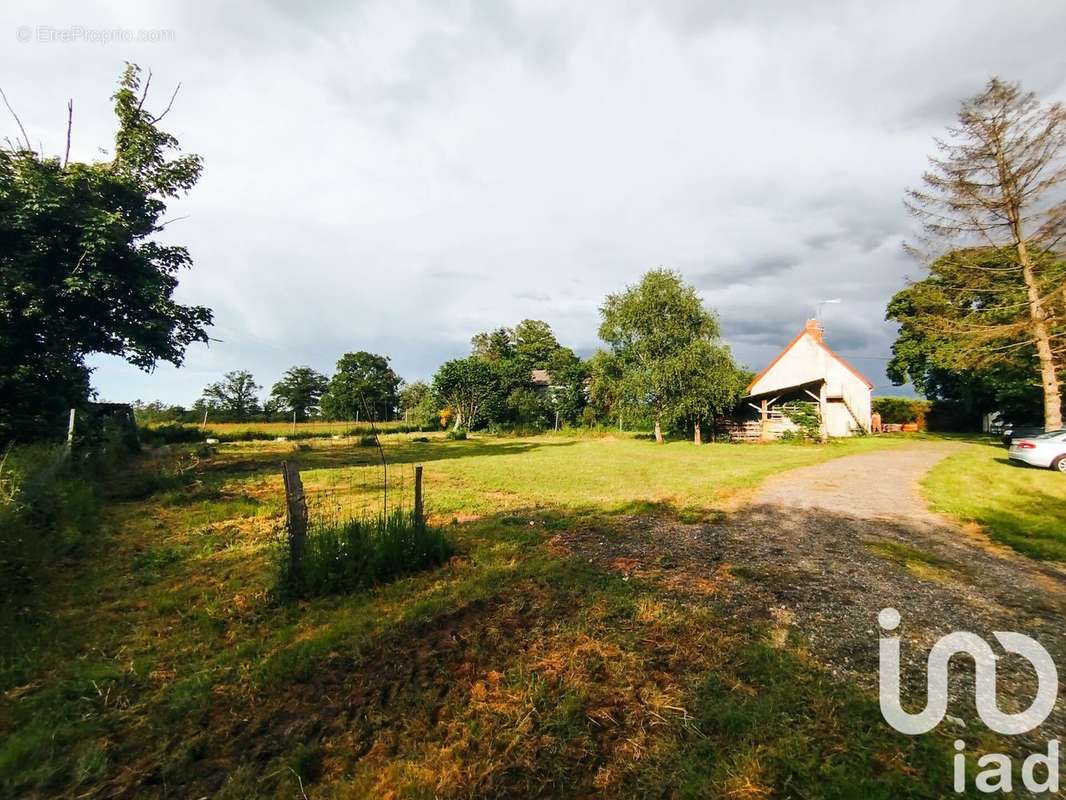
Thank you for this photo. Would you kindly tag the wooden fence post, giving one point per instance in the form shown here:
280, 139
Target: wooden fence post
295, 517
419, 519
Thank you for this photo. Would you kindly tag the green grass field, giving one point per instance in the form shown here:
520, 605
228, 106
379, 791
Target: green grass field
1021, 507
157, 665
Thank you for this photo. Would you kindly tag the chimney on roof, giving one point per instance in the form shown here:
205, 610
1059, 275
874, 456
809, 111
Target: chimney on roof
814, 328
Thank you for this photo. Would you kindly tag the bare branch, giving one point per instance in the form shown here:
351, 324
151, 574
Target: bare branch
169, 105
17, 121
144, 93
70, 123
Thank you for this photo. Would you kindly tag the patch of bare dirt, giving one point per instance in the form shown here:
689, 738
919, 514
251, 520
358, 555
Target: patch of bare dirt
820, 550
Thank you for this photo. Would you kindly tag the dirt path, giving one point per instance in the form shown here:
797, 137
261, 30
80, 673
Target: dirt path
821, 549
874, 486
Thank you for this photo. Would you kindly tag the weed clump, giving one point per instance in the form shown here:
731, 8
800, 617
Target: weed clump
355, 554
47, 507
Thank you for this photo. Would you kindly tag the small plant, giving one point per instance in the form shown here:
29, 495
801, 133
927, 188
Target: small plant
355, 554
457, 436
804, 416
368, 440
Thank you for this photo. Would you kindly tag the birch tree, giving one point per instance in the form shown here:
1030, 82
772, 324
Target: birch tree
995, 189
666, 347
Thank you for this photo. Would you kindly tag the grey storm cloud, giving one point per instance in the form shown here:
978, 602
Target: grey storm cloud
396, 176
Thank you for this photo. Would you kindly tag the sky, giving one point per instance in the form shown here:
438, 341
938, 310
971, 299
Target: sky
397, 176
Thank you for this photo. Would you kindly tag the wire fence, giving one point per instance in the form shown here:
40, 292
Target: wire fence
342, 493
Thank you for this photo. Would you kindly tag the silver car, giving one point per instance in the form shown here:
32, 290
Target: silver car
1043, 450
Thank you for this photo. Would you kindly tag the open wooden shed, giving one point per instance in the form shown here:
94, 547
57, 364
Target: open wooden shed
806, 371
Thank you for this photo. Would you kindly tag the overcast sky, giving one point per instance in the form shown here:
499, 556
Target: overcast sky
397, 176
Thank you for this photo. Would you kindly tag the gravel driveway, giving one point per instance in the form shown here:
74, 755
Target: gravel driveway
820, 550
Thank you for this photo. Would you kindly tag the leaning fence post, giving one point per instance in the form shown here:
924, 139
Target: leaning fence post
418, 495
295, 517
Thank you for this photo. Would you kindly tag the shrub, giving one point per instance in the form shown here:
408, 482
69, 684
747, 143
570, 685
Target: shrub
359, 553
805, 417
46, 508
171, 434
901, 410
458, 436
946, 416
368, 440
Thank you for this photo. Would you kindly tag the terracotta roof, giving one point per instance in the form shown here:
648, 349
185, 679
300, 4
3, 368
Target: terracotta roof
817, 338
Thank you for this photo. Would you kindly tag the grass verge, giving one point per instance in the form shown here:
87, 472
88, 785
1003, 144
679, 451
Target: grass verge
1021, 507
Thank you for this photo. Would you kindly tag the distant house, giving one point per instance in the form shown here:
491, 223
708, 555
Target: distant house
807, 370
541, 379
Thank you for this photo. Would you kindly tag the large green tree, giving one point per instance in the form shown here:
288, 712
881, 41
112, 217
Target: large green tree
708, 384
535, 345
81, 270
662, 338
236, 395
363, 386
974, 290
472, 387
299, 391
514, 354
994, 194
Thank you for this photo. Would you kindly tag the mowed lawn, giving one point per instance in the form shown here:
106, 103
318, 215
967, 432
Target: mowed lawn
1021, 507
157, 664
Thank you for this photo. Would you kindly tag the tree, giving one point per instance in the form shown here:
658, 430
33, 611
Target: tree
418, 404
708, 383
496, 345
235, 395
568, 392
299, 391
967, 289
364, 385
469, 385
535, 345
80, 269
605, 387
990, 193
654, 330
514, 353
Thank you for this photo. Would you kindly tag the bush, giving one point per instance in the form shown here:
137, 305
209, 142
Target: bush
901, 410
171, 434
804, 416
46, 508
947, 416
368, 440
458, 436
359, 553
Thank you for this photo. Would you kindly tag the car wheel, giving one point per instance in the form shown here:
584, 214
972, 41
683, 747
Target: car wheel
1059, 464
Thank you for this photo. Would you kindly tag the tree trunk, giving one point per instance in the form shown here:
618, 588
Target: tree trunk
458, 418
658, 431
1049, 378
696, 437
